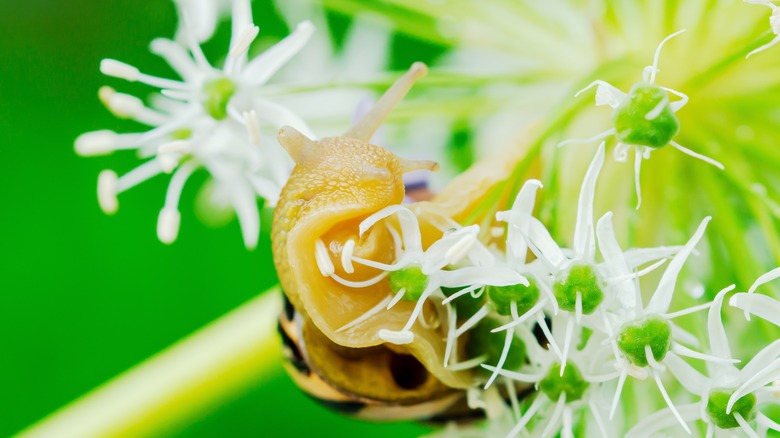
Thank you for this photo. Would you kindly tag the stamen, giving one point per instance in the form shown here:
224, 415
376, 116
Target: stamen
118, 69
459, 249
512, 391
656, 111
346, 256
107, 191
168, 225
504, 353
555, 415
548, 335
697, 155
597, 416
618, 391
243, 42
468, 364
359, 284
96, 143
461, 292
744, 425
567, 341
527, 315
637, 274
371, 312
471, 322
395, 337
593, 139
687, 311
169, 154
687, 352
657, 378
252, 127
323, 259
637, 177
514, 375
452, 320
138, 175
537, 403
396, 298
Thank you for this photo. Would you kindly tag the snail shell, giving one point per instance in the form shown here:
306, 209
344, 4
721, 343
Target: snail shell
338, 182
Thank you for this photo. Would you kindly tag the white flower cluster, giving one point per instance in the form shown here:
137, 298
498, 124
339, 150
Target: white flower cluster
213, 118
602, 333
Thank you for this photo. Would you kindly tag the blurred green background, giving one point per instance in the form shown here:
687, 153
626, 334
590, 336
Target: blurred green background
86, 296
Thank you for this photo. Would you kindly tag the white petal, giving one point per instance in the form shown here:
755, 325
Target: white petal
278, 116
692, 380
719, 342
485, 276
584, 241
662, 297
518, 219
410, 231
260, 69
615, 262
543, 245
762, 306
637, 257
662, 419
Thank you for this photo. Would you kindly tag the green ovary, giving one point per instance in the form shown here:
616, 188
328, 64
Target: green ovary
217, 95
481, 341
502, 297
571, 383
630, 117
652, 331
716, 408
581, 279
411, 279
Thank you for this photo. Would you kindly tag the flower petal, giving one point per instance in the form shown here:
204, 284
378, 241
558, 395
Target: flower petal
662, 297
260, 69
584, 241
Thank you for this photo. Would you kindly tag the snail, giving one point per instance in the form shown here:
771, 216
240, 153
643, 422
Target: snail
336, 184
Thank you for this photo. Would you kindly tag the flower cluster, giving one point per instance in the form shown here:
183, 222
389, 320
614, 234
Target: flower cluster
497, 310
213, 118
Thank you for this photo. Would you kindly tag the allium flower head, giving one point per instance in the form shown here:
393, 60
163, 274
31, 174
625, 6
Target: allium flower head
213, 119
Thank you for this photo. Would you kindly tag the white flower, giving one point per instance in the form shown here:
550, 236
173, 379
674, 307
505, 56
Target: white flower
417, 273
760, 305
203, 17
212, 118
729, 397
774, 24
565, 392
643, 337
654, 130
575, 282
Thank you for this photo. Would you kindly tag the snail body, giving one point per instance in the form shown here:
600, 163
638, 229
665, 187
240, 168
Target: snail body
336, 184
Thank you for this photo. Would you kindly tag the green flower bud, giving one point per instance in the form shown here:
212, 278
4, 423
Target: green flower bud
218, 93
645, 118
582, 279
571, 383
410, 278
716, 408
503, 296
653, 331
481, 341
